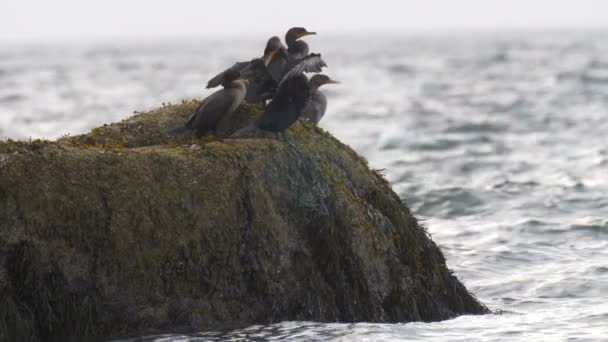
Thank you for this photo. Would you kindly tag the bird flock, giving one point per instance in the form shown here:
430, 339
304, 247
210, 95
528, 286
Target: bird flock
276, 81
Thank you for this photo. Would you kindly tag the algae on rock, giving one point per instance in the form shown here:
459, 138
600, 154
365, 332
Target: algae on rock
126, 231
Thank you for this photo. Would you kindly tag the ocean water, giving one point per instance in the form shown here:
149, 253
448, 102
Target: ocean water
499, 142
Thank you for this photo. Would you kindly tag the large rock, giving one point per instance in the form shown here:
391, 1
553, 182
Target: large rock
123, 231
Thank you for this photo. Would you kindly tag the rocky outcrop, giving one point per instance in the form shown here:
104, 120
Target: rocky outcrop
124, 231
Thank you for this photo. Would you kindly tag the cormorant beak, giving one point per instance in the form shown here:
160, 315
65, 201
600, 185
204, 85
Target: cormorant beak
331, 82
269, 56
304, 34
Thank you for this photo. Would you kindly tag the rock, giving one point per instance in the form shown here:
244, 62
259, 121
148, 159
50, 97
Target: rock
124, 231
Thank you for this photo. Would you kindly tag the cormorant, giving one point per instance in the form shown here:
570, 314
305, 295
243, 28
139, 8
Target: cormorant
286, 105
219, 104
297, 49
315, 109
292, 96
257, 71
297, 52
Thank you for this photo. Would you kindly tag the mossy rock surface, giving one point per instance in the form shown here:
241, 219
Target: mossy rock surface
124, 231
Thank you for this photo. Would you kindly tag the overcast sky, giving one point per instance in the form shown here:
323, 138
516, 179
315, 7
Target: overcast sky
44, 19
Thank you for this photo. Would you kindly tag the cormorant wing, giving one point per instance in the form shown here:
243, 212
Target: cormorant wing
287, 104
315, 109
256, 71
217, 80
211, 110
260, 80
310, 63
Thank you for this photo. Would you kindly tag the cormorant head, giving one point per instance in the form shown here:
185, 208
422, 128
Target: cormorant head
319, 79
273, 47
296, 33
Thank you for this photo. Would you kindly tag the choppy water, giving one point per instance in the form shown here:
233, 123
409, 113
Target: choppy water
500, 142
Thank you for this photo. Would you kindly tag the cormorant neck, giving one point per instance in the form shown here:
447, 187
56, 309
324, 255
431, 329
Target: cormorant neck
299, 46
290, 40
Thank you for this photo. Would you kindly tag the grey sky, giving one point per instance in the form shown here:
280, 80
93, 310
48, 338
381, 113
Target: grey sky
28, 19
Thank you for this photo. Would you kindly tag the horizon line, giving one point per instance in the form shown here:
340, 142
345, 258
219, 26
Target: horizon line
439, 31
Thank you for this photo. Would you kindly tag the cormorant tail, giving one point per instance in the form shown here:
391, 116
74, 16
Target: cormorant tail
179, 130
244, 132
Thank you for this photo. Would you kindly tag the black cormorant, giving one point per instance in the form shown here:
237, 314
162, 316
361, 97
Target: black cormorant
296, 48
257, 71
297, 52
286, 105
315, 109
217, 105
292, 96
